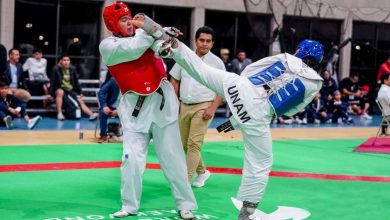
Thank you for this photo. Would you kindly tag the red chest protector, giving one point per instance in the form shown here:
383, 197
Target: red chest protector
142, 76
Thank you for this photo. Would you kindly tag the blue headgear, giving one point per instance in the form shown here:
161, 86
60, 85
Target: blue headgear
310, 48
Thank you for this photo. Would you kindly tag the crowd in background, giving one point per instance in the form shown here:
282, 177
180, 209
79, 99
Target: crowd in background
335, 103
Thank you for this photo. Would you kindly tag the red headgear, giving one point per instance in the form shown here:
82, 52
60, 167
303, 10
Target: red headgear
111, 16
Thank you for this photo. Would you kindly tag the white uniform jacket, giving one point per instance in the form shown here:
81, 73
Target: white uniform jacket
116, 50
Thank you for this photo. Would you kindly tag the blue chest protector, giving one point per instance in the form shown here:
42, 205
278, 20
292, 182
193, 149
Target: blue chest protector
283, 99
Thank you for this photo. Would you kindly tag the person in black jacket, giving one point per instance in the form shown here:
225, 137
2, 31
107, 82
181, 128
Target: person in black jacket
64, 81
11, 107
14, 76
3, 62
108, 102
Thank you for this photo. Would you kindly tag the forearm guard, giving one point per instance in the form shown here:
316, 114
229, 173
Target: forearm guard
153, 29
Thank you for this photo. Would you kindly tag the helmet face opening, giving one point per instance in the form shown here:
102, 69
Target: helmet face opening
310, 48
111, 16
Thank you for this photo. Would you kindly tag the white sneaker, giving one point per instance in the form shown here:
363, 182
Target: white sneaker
94, 116
317, 121
33, 121
366, 116
122, 214
304, 121
288, 121
8, 122
201, 179
186, 215
60, 116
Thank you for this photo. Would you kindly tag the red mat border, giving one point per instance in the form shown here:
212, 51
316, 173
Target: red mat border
116, 164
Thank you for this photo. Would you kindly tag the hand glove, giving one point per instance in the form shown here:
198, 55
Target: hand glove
172, 31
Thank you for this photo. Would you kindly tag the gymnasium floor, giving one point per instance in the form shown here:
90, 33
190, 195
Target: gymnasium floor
50, 174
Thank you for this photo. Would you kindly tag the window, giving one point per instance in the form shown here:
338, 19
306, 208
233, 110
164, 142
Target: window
58, 27
235, 31
326, 31
370, 49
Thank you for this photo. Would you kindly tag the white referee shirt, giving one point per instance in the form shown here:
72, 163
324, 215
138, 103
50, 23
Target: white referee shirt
384, 99
192, 92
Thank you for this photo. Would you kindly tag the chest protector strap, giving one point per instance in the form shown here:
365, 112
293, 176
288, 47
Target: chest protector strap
291, 95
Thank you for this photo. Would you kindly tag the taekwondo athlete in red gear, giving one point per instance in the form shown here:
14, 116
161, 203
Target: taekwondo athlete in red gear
271, 87
148, 109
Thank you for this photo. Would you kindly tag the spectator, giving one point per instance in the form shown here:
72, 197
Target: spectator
384, 100
37, 75
329, 86
338, 109
224, 54
240, 62
364, 102
64, 81
3, 63
383, 68
15, 78
11, 107
108, 102
317, 111
350, 93
197, 107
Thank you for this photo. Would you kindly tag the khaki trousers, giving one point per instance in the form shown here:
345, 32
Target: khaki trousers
192, 130
20, 94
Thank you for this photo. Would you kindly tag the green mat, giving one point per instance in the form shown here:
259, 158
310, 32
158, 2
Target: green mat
94, 193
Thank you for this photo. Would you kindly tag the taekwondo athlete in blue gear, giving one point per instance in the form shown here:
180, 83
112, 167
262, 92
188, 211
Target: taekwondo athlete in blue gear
264, 89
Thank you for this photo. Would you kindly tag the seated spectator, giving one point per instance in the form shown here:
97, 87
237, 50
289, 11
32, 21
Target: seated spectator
338, 108
14, 76
108, 102
384, 100
350, 93
65, 81
36, 68
317, 111
11, 107
329, 86
364, 102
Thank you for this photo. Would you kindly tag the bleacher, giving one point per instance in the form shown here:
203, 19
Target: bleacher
89, 88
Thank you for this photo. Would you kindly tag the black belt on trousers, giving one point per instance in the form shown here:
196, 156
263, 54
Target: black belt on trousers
225, 127
141, 100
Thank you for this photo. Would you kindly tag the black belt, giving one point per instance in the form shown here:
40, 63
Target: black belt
141, 100
225, 127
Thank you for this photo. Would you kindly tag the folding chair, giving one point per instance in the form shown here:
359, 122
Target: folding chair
384, 121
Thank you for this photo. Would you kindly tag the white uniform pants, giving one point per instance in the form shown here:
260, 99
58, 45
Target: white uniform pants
257, 147
170, 153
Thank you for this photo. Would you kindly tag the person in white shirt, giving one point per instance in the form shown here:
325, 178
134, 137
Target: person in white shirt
148, 109
384, 100
36, 68
274, 86
198, 105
